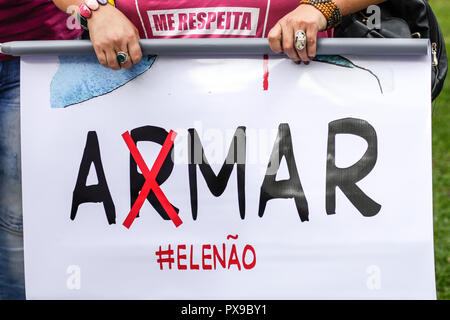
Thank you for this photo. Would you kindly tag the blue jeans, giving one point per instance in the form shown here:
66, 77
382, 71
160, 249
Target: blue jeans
12, 283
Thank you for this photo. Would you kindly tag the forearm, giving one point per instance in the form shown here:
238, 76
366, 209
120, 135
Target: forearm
110, 32
352, 6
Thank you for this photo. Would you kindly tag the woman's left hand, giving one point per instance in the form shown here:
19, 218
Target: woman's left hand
306, 18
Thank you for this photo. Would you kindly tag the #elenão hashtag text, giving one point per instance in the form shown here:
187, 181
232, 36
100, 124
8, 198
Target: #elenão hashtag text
221, 256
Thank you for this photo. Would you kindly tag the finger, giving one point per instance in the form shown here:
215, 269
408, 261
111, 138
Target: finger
135, 52
111, 57
101, 56
127, 64
274, 38
303, 53
288, 43
311, 42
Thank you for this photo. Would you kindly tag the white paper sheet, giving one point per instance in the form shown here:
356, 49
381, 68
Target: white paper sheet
340, 256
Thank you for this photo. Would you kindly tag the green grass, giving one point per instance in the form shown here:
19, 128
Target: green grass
441, 160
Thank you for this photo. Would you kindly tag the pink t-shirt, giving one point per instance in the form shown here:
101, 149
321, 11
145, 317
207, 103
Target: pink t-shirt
206, 18
33, 20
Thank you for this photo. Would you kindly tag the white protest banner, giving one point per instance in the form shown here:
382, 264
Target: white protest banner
228, 178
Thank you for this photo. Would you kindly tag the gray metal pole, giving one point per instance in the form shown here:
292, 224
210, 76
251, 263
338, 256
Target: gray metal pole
225, 46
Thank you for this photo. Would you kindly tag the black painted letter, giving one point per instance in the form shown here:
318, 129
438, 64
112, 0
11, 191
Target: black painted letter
137, 180
284, 189
94, 193
217, 184
346, 178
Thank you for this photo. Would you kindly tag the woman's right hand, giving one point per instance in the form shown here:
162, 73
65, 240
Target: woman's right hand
111, 32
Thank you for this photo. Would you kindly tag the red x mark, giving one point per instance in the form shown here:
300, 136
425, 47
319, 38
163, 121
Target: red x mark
150, 176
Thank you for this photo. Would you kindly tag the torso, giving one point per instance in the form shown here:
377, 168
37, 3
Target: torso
33, 20
207, 18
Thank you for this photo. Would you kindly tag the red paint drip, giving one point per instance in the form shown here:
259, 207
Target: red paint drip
266, 72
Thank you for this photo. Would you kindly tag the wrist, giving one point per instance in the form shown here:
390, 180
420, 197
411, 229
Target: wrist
90, 10
329, 10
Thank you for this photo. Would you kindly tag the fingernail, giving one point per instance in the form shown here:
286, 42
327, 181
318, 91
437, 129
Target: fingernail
298, 62
306, 62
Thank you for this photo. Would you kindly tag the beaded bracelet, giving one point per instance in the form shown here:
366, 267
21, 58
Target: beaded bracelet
86, 8
329, 9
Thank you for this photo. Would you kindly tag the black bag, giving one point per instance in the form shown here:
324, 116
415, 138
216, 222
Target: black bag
403, 19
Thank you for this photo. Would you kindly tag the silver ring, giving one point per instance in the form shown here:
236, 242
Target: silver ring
300, 40
122, 57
